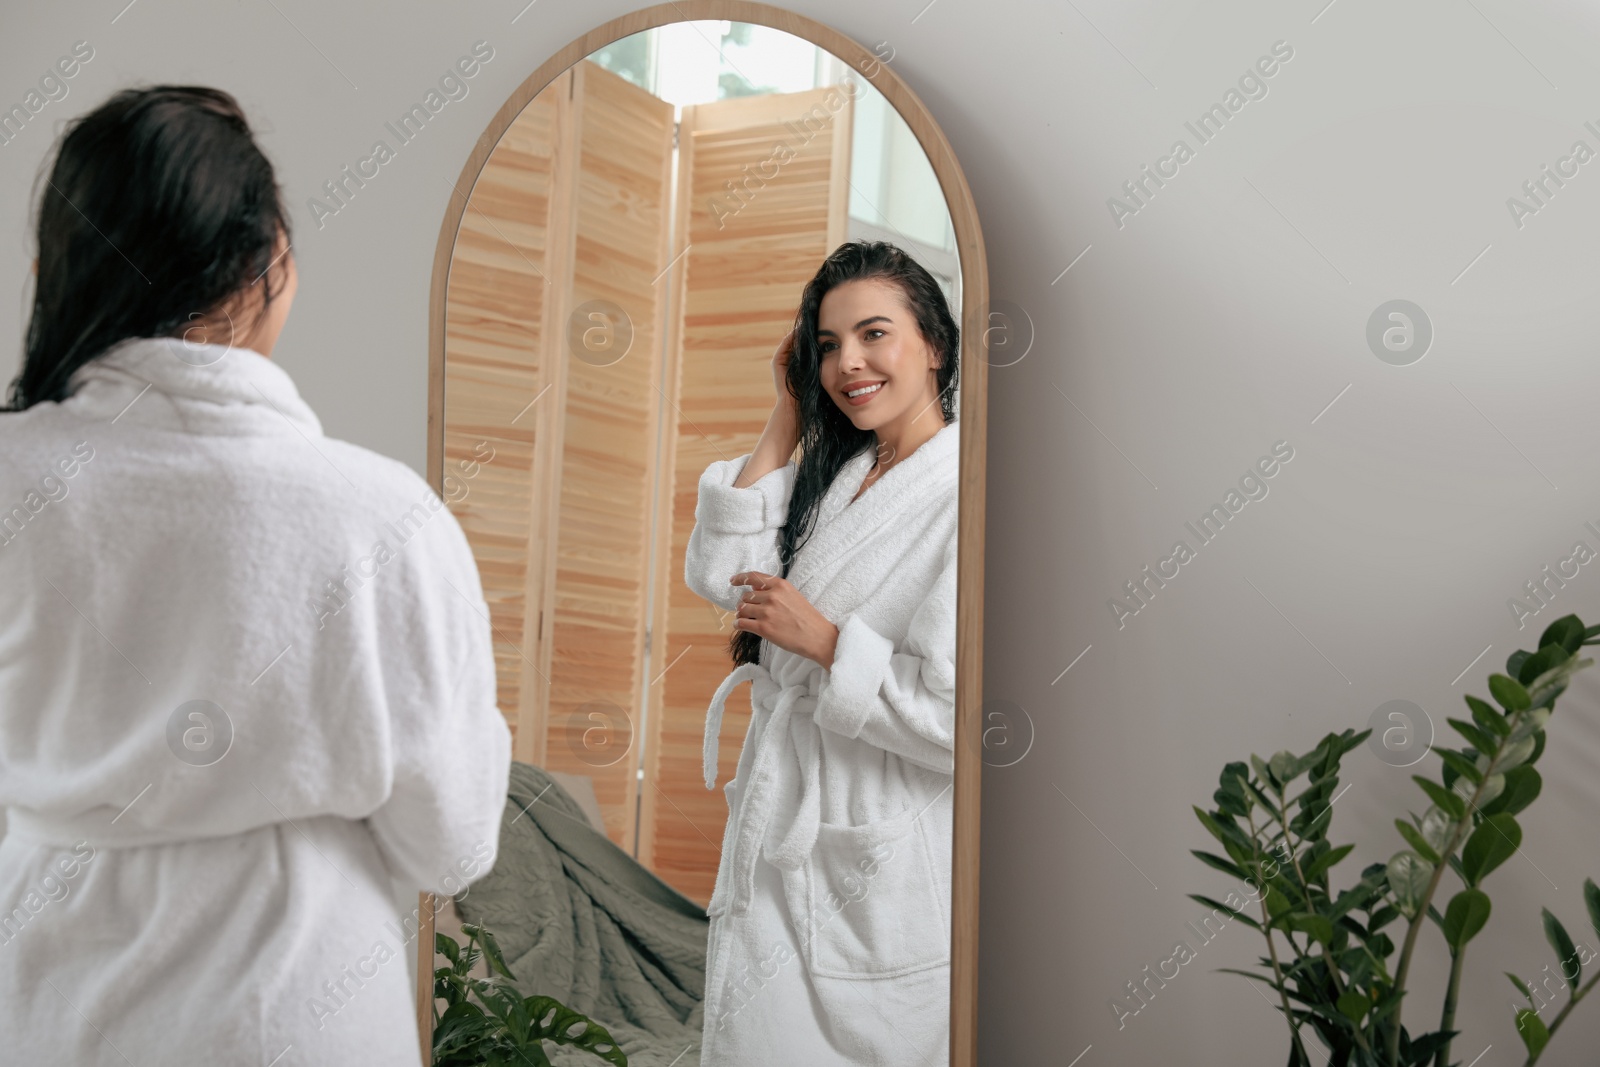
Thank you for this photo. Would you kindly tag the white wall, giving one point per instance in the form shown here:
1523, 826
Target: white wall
1221, 318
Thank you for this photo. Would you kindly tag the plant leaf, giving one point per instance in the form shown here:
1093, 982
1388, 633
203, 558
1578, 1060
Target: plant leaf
1556, 934
1437, 827
1415, 839
1353, 1004
1492, 787
1591, 897
1224, 830
1521, 789
1485, 715
1515, 661
1350, 740
1481, 740
1529, 723
1260, 797
553, 1021
1265, 772
1285, 767
1452, 803
1422, 1049
1315, 926
1325, 861
1464, 917
492, 953
1532, 1031
1217, 905
1460, 764
461, 1026
1230, 795
1536, 665
1543, 690
1408, 875
1514, 755
1490, 845
1566, 631
1225, 866
1508, 692
1520, 984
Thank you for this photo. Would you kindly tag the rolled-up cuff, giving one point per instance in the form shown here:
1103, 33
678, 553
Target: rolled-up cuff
849, 689
762, 505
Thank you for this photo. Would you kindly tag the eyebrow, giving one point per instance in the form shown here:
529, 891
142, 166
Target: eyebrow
863, 322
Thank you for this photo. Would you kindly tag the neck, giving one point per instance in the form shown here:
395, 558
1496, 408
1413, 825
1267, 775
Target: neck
903, 435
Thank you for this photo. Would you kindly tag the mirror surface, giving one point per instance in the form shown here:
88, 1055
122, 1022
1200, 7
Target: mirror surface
629, 259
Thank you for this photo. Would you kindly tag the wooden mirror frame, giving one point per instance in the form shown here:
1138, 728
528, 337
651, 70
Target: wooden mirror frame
973, 416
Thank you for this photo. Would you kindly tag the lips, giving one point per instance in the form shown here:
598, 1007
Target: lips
864, 397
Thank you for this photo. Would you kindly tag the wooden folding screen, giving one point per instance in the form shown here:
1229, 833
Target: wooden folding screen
763, 198
568, 238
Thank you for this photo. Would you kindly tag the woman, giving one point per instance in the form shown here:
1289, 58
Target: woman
830, 920
246, 684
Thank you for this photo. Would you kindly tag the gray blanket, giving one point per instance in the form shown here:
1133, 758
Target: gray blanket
580, 920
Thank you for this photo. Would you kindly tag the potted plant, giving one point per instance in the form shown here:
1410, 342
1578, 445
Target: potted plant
487, 1022
1331, 959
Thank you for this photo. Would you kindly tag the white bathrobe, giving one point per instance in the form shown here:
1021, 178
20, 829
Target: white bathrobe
246, 680
830, 920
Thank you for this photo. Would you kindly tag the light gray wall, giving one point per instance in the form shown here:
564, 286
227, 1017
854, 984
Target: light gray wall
1222, 317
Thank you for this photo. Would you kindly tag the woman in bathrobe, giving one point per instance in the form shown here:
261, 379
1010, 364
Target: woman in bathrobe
247, 703
830, 920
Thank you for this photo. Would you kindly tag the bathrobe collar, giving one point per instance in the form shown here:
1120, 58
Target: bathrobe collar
166, 382
842, 520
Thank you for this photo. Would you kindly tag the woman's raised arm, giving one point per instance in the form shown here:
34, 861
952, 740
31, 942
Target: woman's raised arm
735, 528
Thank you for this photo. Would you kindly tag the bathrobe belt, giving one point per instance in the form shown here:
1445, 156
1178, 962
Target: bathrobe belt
762, 792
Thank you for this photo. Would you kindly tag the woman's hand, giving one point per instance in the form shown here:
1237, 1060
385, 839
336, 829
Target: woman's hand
776, 610
780, 370
781, 436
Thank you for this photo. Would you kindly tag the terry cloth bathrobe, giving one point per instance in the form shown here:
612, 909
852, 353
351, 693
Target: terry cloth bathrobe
247, 706
830, 920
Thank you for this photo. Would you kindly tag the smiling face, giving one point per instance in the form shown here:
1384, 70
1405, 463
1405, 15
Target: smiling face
869, 338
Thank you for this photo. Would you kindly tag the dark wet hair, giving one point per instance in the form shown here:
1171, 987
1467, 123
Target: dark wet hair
158, 208
828, 439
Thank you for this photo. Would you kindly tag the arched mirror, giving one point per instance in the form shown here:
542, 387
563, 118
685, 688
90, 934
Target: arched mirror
622, 256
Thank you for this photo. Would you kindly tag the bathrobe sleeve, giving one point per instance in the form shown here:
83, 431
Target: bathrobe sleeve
899, 697
449, 744
735, 530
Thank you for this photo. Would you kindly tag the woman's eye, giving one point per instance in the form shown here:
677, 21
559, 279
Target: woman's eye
870, 332
828, 346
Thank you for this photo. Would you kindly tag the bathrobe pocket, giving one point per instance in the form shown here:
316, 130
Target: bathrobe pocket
866, 903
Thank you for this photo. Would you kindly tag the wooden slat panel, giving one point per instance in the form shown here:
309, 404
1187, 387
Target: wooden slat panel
742, 283
495, 306
608, 463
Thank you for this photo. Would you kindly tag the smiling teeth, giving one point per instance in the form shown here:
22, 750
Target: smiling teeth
868, 389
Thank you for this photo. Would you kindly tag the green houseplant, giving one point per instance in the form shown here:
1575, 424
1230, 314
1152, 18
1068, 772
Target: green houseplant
488, 1023
1330, 961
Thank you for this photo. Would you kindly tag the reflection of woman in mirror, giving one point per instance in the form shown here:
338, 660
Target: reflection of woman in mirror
830, 932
